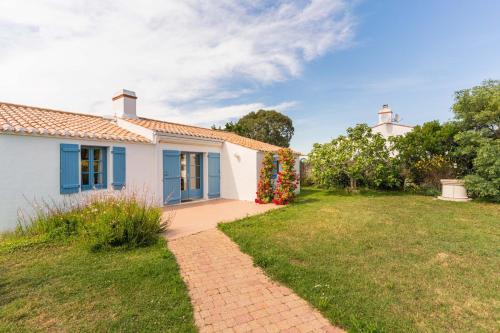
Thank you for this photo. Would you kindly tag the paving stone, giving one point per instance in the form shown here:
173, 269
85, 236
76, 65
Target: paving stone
230, 294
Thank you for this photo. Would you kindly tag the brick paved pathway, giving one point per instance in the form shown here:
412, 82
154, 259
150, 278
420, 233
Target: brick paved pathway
229, 294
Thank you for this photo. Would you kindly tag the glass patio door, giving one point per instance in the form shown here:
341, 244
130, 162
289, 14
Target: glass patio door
191, 176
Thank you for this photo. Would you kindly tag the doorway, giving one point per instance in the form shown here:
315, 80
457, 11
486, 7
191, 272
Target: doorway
191, 176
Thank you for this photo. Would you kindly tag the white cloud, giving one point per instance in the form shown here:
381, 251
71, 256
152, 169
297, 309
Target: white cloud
75, 54
208, 116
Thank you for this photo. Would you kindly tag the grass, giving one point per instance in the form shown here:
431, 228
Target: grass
382, 262
64, 287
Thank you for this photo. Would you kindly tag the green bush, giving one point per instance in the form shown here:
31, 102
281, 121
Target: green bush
362, 158
485, 181
100, 220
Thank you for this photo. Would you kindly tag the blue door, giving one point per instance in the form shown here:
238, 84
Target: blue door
191, 176
171, 177
213, 175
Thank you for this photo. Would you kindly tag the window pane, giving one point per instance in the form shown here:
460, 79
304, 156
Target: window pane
195, 183
183, 172
97, 166
97, 178
85, 166
84, 154
192, 161
97, 154
85, 179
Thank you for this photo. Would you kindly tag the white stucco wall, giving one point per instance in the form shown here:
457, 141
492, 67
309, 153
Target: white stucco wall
239, 172
30, 168
391, 129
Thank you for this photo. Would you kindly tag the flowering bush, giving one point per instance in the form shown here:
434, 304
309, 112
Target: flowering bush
287, 178
265, 187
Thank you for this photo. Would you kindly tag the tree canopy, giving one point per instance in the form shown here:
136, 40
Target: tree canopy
359, 157
264, 125
466, 147
477, 112
478, 108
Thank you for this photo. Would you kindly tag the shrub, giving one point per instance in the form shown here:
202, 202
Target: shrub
101, 220
287, 178
265, 187
485, 181
431, 170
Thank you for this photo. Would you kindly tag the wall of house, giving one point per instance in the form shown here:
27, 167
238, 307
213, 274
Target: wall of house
390, 129
30, 169
239, 172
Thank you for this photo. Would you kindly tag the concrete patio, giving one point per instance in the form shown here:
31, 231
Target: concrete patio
192, 218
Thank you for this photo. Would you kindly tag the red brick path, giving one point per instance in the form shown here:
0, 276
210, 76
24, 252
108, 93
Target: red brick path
230, 294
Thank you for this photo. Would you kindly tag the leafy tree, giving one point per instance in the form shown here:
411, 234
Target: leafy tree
428, 153
478, 108
264, 125
360, 157
477, 112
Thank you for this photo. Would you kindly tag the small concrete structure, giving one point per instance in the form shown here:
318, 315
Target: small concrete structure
453, 190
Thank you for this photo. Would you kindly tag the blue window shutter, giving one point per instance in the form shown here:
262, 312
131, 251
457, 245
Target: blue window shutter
171, 177
69, 168
119, 168
213, 175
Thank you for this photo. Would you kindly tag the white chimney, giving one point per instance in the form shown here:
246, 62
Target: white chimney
124, 104
385, 114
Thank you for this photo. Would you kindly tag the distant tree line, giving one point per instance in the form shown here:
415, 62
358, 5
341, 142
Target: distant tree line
264, 125
466, 147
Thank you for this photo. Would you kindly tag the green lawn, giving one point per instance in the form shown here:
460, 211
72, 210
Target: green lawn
384, 262
66, 288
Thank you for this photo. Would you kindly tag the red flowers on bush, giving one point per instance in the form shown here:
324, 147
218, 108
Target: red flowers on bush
265, 187
283, 191
287, 181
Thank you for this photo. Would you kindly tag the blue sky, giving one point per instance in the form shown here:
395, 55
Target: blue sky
412, 55
328, 64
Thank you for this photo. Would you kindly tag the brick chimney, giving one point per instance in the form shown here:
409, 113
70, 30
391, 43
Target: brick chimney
124, 104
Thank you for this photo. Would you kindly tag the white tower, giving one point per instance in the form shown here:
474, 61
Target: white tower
385, 115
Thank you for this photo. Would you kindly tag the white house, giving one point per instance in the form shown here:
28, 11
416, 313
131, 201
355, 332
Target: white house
49, 154
388, 124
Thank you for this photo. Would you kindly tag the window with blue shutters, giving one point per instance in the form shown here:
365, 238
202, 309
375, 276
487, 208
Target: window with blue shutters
93, 164
118, 167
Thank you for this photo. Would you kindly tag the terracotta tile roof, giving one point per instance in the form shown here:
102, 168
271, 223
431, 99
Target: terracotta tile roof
201, 132
16, 118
